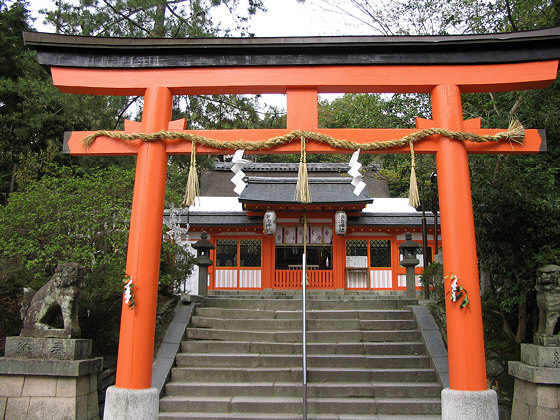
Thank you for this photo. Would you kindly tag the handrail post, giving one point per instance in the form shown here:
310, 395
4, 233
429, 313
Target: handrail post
304, 316
304, 335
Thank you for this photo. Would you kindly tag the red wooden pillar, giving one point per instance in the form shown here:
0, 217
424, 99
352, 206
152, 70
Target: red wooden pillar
268, 261
467, 365
339, 261
136, 343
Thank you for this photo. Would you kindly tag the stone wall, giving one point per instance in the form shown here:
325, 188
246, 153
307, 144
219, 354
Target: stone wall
48, 397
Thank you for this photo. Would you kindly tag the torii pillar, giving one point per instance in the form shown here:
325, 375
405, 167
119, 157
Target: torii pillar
467, 396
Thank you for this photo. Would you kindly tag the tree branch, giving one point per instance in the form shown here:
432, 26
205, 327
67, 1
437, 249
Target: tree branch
510, 16
125, 17
516, 105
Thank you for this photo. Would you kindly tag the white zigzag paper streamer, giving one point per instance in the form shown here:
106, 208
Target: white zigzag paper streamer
237, 179
354, 172
127, 291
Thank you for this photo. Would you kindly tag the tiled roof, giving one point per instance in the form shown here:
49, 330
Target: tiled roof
330, 190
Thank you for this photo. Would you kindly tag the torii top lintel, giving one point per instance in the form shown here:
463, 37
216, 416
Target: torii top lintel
301, 68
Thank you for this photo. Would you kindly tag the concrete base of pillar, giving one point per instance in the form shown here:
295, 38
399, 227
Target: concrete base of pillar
131, 404
469, 405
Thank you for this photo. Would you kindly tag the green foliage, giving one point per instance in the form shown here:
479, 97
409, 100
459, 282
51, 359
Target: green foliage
68, 217
33, 113
81, 217
432, 276
227, 112
516, 202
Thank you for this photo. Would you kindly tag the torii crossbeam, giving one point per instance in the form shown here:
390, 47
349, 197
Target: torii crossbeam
444, 67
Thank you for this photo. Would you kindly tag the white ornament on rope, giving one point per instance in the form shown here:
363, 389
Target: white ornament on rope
237, 179
354, 172
454, 288
127, 291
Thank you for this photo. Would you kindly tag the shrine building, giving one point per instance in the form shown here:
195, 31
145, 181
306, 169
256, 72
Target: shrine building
352, 240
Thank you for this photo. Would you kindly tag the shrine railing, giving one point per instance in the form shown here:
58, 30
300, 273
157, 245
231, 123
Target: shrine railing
291, 279
238, 278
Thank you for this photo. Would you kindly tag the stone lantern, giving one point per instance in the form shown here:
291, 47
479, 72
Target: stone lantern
203, 261
409, 250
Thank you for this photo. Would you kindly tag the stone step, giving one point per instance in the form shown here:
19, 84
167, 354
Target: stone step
227, 360
210, 346
295, 324
280, 416
314, 374
251, 404
241, 359
294, 389
296, 336
311, 315
311, 294
312, 305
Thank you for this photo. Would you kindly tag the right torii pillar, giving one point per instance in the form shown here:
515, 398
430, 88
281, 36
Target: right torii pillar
468, 393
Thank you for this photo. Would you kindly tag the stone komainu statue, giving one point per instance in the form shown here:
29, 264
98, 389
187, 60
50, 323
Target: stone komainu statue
58, 296
548, 300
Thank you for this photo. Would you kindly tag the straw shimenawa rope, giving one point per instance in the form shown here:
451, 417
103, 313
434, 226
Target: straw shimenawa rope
515, 133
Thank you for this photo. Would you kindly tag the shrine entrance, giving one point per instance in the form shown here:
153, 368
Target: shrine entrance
158, 69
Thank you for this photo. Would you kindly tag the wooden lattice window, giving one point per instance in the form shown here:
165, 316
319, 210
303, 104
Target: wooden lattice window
380, 253
250, 252
226, 253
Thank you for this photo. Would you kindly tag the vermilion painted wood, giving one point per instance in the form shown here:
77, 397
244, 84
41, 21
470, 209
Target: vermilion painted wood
534, 142
302, 109
136, 340
326, 79
467, 365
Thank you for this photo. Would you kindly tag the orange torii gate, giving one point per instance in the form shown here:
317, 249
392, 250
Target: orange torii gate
301, 68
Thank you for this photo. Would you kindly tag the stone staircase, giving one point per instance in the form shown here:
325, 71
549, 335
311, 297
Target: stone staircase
242, 360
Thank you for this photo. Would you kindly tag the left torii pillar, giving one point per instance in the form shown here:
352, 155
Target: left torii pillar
133, 395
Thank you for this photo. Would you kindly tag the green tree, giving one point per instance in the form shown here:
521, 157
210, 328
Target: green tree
33, 113
80, 217
520, 191
151, 18
436, 17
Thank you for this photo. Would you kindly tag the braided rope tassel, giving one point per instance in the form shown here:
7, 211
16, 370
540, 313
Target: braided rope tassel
413, 198
302, 188
192, 189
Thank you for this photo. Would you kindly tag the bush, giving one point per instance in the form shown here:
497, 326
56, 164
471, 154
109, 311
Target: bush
432, 277
76, 217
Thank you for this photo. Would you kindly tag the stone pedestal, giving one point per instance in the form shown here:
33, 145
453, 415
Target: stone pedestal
469, 405
537, 383
48, 378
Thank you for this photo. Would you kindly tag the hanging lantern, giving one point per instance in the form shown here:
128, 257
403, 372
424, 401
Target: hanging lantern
269, 222
340, 222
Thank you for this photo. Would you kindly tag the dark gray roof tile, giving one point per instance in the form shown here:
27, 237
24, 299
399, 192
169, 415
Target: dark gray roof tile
330, 190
